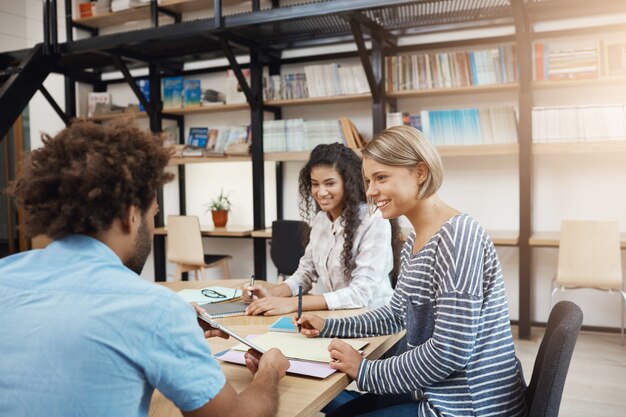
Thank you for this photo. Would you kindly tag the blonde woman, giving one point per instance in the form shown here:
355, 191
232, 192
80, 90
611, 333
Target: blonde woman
460, 358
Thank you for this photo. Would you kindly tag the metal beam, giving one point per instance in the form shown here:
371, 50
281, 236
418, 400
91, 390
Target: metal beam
54, 105
365, 59
243, 83
133, 85
523, 31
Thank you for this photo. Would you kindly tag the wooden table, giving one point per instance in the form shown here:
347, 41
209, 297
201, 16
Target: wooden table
299, 396
210, 231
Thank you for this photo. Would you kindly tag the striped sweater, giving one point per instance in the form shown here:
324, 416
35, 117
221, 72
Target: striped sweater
450, 298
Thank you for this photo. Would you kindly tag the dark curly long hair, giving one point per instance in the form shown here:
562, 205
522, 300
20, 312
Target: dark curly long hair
348, 165
87, 176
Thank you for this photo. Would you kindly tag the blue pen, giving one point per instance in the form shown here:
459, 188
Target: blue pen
299, 306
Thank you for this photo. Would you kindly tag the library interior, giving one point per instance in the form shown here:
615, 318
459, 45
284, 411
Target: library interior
524, 101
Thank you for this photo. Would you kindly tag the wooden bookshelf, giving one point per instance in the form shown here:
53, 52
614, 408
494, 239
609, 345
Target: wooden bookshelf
580, 147
479, 150
115, 18
183, 160
551, 240
112, 116
213, 108
595, 82
477, 89
348, 98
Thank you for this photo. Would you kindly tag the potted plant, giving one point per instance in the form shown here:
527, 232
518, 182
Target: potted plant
219, 207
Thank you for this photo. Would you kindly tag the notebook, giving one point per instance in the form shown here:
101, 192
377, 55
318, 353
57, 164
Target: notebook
236, 308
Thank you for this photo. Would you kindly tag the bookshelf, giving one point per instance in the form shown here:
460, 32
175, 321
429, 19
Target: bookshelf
264, 34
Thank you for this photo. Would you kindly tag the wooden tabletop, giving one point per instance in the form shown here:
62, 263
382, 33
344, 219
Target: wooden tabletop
210, 231
299, 395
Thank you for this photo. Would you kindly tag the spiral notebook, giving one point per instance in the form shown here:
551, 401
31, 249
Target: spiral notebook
236, 308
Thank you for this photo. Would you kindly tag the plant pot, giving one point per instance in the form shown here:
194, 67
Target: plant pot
220, 217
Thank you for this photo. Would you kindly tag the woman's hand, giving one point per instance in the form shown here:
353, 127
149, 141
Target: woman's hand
344, 358
312, 324
249, 293
272, 306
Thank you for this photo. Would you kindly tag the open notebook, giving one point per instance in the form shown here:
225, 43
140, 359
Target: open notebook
297, 346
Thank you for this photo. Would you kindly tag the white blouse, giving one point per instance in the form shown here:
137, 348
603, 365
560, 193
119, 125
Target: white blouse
369, 284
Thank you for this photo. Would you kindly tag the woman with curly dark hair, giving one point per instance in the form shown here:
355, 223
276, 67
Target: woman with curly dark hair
350, 251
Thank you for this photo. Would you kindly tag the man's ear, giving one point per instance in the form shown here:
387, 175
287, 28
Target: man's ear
421, 172
132, 219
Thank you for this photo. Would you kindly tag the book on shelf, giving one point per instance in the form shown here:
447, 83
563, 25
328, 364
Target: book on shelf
615, 58
566, 60
295, 135
334, 80
192, 93
172, 92
171, 135
144, 87
579, 123
198, 137
93, 99
234, 93
211, 97
119, 5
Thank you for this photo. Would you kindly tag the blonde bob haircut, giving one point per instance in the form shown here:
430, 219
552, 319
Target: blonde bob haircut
405, 146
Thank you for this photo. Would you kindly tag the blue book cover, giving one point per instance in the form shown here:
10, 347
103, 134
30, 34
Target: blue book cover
283, 324
193, 93
172, 92
144, 87
198, 137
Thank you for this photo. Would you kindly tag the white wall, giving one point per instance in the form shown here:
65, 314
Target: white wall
564, 187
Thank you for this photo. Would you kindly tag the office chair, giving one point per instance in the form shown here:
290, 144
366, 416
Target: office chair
543, 396
590, 257
289, 240
184, 248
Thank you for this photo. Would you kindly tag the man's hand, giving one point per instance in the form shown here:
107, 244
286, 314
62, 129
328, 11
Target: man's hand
272, 306
344, 358
312, 324
208, 330
271, 361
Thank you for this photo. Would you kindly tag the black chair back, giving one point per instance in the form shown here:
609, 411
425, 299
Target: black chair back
289, 240
553, 358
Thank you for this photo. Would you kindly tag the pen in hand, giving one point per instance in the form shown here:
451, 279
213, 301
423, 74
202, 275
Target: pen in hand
251, 285
299, 307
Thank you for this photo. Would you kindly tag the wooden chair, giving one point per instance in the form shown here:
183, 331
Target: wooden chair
184, 248
545, 389
590, 257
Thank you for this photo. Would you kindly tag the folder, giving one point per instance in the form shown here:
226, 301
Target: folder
297, 346
218, 310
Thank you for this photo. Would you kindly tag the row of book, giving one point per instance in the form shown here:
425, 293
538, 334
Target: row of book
335, 80
580, 59
294, 135
451, 69
462, 126
579, 123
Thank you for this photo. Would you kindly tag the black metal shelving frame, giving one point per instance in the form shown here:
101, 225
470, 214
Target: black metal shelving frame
262, 35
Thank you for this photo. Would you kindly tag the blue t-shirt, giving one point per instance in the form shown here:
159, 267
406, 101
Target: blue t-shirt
82, 335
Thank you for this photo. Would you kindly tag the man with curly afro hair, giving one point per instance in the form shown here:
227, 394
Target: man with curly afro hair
82, 333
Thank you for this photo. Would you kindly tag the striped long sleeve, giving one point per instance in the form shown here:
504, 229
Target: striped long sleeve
460, 357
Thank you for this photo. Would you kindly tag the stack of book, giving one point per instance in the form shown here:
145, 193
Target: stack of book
335, 80
220, 141
285, 87
450, 69
118, 5
579, 123
566, 60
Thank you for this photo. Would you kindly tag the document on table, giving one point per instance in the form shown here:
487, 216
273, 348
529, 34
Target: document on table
297, 346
